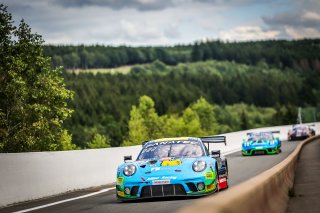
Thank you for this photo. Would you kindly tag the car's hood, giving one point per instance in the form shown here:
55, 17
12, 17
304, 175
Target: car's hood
165, 166
259, 142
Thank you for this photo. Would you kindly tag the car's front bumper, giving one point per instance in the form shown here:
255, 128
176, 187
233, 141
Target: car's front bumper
295, 137
180, 186
260, 150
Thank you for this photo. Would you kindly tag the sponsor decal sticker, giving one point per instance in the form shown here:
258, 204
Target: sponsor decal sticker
222, 180
155, 169
152, 178
209, 175
169, 177
210, 187
168, 142
160, 182
171, 162
120, 193
120, 180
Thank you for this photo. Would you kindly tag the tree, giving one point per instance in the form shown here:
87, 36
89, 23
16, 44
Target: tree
192, 124
33, 96
150, 117
137, 129
244, 123
206, 115
99, 141
66, 141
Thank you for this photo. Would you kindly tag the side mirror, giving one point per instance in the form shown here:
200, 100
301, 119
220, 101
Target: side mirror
128, 157
215, 153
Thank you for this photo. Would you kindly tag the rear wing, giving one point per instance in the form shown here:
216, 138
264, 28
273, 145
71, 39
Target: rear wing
213, 139
273, 132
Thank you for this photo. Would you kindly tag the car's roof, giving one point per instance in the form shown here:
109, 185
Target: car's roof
260, 133
300, 125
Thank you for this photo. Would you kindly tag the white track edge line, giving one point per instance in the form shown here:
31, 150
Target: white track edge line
67, 200
92, 194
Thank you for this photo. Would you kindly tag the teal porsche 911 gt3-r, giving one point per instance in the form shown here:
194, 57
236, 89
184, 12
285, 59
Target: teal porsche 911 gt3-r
261, 143
172, 167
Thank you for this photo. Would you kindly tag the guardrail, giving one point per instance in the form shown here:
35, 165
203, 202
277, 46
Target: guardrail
29, 176
264, 193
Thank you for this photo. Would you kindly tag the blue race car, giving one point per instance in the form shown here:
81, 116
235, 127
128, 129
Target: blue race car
173, 167
261, 143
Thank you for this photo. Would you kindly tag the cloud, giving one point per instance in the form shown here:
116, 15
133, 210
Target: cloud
296, 24
149, 5
142, 5
311, 16
247, 33
305, 19
299, 33
165, 22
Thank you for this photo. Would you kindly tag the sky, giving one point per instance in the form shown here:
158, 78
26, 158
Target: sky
166, 22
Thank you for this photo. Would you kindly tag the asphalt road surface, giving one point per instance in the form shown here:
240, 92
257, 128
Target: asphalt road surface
240, 169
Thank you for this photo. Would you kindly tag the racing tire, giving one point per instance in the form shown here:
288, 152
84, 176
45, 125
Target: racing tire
227, 182
217, 179
227, 171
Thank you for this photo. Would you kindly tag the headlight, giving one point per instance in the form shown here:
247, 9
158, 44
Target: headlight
199, 166
129, 170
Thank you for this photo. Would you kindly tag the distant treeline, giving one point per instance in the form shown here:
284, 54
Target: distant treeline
103, 102
302, 54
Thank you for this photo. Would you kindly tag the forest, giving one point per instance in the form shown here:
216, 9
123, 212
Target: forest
304, 54
238, 96
248, 84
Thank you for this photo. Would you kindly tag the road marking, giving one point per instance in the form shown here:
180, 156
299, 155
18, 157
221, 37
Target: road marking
67, 200
91, 194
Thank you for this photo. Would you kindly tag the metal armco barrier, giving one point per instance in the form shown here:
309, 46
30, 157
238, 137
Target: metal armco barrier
265, 193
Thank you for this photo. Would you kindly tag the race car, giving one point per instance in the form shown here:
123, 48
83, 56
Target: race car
168, 167
261, 143
300, 131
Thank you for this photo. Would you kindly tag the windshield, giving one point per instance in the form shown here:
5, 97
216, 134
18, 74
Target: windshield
261, 136
165, 149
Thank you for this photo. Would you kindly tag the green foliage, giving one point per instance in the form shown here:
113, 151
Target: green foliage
206, 114
138, 131
66, 142
32, 95
144, 122
99, 141
98, 56
299, 54
104, 101
191, 123
199, 119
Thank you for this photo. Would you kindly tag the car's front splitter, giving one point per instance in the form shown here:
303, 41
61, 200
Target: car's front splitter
269, 151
